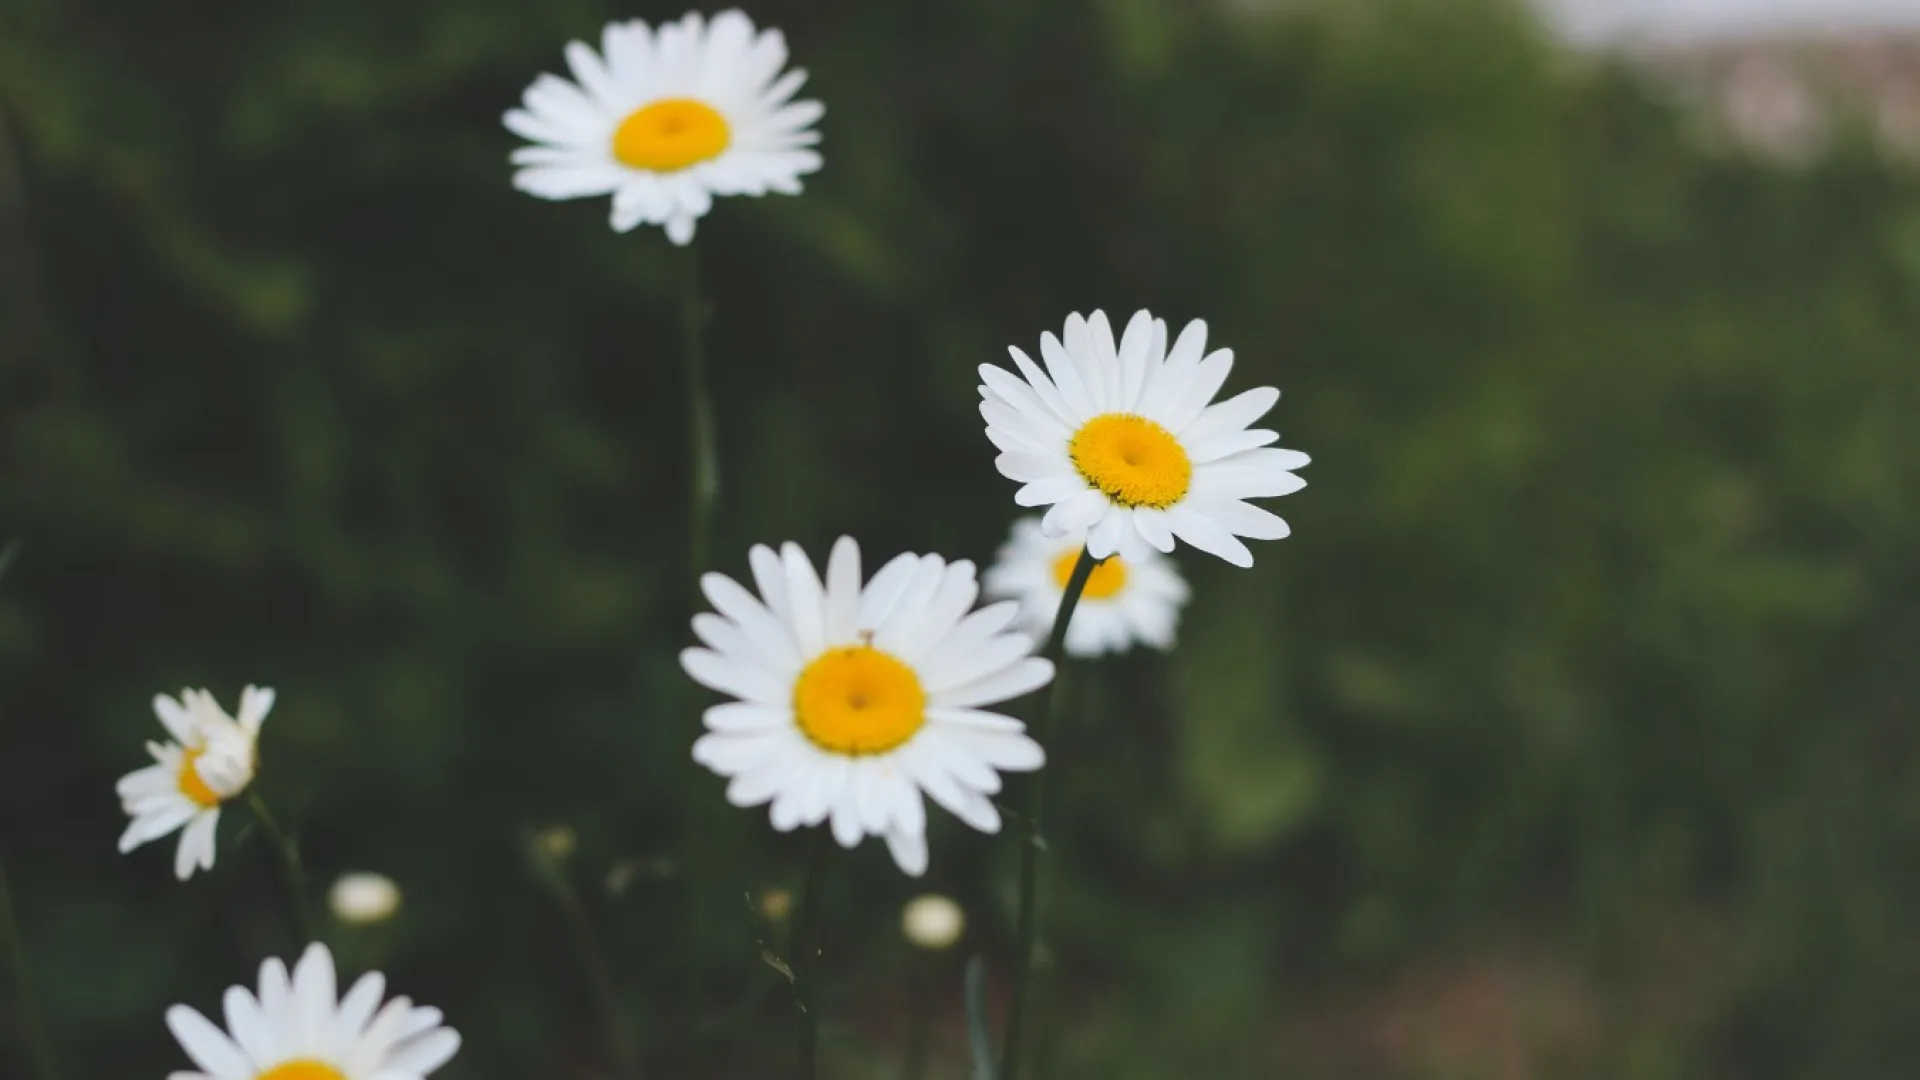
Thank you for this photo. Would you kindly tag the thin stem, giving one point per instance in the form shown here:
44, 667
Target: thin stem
919, 1017
704, 492
704, 456
806, 950
593, 964
31, 1020
1028, 924
290, 869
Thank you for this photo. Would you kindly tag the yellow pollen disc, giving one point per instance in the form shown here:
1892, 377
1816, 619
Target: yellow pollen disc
304, 1069
1108, 577
1135, 461
670, 135
192, 786
858, 700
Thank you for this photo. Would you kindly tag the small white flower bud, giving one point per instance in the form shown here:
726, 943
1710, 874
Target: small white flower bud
361, 899
933, 922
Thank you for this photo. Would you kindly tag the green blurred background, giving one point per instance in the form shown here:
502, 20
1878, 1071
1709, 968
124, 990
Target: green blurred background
1572, 734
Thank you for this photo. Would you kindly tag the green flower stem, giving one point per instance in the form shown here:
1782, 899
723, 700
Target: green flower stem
806, 951
1028, 925
919, 1016
550, 872
704, 494
32, 1023
703, 453
290, 869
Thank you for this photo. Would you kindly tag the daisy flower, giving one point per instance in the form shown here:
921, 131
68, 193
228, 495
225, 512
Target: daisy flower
210, 759
853, 700
1124, 602
663, 120
297, 1030
1124, 443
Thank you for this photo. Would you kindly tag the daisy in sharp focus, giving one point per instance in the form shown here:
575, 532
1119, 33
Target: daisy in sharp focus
853, 700
296, 1029
1124, 602
1124, 441
663, 120
210, 759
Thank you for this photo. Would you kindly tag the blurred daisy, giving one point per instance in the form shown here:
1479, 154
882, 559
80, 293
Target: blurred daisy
210, 759
297, 1030
855, 700
363, 898
933, 922
663, 120
1124, 443
1125, 601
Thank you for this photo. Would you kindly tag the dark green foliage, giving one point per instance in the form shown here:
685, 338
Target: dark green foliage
1590, 664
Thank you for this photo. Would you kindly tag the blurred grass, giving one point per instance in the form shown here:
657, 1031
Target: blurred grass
1571, 734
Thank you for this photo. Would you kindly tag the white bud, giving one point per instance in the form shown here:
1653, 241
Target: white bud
362, 899
933, 922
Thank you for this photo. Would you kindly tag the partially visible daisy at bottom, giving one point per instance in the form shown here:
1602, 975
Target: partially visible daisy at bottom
854, 700
210, 759
296, 1029
1125, 602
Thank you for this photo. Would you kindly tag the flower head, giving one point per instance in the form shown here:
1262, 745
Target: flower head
665, 119
296, 1029
853, 700
362, 898
1123, 441
210, 759
933, 922
1125, 601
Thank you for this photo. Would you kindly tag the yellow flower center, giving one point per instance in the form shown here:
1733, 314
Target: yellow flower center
858, 700
192, 786
304, 1069
670, 135
1135, 461
1108, 577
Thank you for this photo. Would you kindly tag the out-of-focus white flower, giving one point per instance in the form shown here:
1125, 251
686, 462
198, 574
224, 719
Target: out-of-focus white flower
1123, 441
854, 700
296, 1029
665, 119
363, 898
1124, 601
210, 759
933, 922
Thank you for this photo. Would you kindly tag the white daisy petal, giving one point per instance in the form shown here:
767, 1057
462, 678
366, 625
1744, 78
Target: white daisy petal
249, 1028
150, 827
196, 844
882, 594
356, 1009
1004, 685
728, 676
909, 850
1207, 535
1076, 513
843, 590
209, 1048
422, 1054
1244, 519
1232, 414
